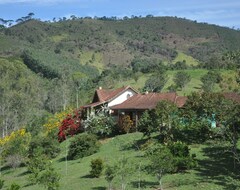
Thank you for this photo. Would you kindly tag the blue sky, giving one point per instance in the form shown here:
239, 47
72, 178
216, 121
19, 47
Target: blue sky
220, 12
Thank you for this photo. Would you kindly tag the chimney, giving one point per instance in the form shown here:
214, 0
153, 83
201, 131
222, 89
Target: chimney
146, 92
100, 88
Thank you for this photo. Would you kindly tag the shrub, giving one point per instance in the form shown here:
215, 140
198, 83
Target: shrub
15, 143
100, 124
15, 147
97, 167
83, 145
14, 186
55, 120
44, 145
182, 158
50, 179
14, 160
35, 166
1, 183
71, 125
126, 124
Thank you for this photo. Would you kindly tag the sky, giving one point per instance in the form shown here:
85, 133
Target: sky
219, 12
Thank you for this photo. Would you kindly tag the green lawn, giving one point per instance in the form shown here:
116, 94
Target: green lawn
190, 61
213, 170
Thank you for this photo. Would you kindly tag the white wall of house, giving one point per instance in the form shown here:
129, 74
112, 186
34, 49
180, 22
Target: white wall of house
121, 98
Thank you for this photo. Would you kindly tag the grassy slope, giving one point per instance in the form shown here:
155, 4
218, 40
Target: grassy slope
190, 61
193, 85
211, 173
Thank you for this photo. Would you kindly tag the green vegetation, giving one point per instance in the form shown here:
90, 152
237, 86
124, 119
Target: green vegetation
210, 172
190, 61
82, 145
49, 68
97, 167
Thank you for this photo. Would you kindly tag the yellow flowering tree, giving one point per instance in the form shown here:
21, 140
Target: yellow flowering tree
54, 122
15, 147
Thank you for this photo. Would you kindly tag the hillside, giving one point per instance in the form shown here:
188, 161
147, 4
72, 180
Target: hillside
49, 69
120, 41
211, 172
51, 66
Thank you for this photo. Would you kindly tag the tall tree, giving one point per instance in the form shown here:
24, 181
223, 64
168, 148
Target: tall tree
161, 162
162, 120
181, 79
209, 80
157, 81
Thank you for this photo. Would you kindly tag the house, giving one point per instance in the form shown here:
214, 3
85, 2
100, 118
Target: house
232, 96
138, 103
104, 99
128, 101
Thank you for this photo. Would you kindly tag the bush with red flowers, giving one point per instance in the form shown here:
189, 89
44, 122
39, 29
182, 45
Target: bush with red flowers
71, 125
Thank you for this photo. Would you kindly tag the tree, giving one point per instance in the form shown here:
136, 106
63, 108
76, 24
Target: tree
126, 124
162, 120
161, 162
19, 20
124, 171
110, 174
80, 81
199, 112
157, 81
209, 80
145, 123
181, 78
30, 15
165, 119
230, 128
96, 167
214, 63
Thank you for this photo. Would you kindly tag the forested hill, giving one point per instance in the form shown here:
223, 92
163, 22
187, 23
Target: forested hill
120, 41
46, 67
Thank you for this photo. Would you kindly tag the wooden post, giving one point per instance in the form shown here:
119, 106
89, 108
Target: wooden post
136, 120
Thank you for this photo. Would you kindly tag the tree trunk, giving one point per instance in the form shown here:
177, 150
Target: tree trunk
234, 148
77, 98
109, 186
159, 175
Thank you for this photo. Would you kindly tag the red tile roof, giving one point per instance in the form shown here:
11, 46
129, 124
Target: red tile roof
104, 95
232, 96
149, 101
180, 101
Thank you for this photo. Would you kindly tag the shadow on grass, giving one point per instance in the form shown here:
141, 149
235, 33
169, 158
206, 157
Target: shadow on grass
87, 176
218, 168
99, 188
4, 168
29, 184
23, 173
63, 159
135, 145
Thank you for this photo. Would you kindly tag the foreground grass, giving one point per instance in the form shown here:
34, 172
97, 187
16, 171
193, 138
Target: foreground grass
213, 171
